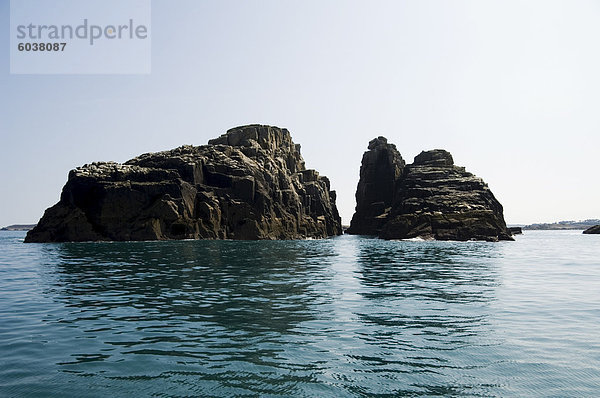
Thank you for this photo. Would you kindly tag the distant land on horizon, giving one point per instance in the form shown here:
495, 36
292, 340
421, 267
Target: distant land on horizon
559, 225
562, 225
18, 227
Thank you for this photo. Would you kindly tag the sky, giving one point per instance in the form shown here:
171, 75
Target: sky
510, 88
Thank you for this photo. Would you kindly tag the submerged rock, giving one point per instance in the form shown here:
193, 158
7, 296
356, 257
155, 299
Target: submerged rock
250, 183
593, 230
430, 198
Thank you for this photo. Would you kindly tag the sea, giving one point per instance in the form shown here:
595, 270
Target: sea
342, 317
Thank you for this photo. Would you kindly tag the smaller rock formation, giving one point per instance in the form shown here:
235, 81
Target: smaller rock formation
515, 230
430, 198
592, 230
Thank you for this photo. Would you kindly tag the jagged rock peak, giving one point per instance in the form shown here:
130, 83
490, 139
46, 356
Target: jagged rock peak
435, 157
382, 165
267, 137
250, 183
378, 142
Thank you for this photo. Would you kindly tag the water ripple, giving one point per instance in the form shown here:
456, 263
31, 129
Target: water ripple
342, 317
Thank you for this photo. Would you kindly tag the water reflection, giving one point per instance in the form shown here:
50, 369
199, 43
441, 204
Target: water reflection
200, 317
427, 306
259, 286
445, 272
348, 316
333, 318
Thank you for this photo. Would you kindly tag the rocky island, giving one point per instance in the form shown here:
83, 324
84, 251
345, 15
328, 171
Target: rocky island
250, 183
430, 198
592, 230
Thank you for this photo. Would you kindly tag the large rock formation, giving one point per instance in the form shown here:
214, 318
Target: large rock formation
592, 230
431, 198
250, 183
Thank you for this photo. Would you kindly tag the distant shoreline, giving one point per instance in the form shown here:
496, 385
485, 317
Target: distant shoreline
18, 227
562, 225
559, 225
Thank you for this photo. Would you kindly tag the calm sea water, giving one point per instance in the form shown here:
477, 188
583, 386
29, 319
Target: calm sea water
324, 318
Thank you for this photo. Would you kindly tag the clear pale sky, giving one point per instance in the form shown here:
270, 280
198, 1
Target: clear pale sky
510, 88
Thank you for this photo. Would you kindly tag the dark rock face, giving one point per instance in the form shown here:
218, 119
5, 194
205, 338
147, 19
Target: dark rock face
515, 230
250, 183
593, 230
382, 165
431, 198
